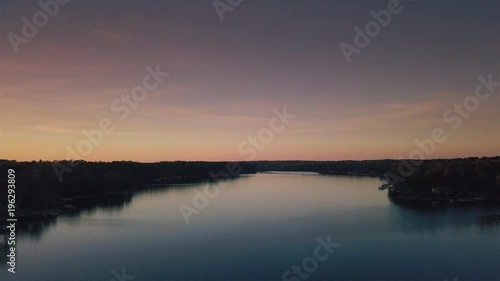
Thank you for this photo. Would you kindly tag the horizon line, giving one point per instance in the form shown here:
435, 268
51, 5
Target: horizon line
249, 161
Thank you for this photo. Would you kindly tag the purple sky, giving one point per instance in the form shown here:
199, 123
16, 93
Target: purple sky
226, 77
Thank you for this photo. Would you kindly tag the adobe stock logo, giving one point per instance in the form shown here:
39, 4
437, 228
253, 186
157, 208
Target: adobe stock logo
310, 264
221, 7
266, 135
372, 29
40, 19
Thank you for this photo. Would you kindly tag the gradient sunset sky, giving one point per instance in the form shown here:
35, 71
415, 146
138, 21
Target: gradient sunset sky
226, 77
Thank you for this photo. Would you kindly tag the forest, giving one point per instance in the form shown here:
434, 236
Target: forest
38, 185
463, 179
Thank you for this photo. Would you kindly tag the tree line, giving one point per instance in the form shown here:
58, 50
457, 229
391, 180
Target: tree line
37, 185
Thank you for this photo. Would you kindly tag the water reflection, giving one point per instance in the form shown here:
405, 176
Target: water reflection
266, 221
419, 218
110, 203
429, 218
489, 224
33, 227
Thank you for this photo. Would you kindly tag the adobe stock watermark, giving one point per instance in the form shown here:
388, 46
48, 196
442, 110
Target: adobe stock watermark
49, 9
122, 107
454, 116
250, 147
310, 264
372, 29
256, 143
121, 276
223, 6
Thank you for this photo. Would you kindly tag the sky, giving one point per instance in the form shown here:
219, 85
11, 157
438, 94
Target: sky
227, 78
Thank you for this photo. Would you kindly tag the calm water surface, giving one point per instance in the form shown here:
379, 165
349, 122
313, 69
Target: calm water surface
258, 227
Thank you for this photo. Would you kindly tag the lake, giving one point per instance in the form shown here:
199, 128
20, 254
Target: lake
262, 227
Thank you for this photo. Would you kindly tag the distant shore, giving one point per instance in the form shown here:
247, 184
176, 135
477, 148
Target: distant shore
42, 191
